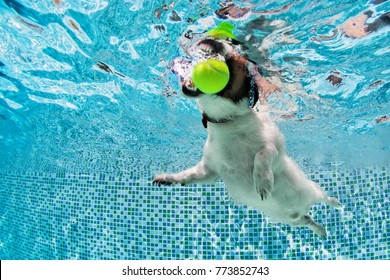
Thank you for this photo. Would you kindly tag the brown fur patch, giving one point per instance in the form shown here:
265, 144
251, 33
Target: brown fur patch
239, 84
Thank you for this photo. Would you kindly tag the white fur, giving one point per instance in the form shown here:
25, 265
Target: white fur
248, 154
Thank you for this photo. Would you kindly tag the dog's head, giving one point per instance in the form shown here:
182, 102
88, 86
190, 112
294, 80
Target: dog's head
240, 93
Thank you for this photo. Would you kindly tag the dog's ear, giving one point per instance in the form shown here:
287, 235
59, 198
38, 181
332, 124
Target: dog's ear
253, 92
255, 74
243, 83
264, 87
254, 64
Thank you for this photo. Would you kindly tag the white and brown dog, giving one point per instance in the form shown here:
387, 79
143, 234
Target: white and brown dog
245, 148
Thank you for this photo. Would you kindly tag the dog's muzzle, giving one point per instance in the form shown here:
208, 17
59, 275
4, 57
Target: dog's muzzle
204, 49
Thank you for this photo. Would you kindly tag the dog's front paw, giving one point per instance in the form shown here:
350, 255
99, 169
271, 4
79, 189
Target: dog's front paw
264, 184
164, 179
263, 190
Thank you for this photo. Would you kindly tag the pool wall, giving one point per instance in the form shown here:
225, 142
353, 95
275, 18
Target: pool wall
61, 215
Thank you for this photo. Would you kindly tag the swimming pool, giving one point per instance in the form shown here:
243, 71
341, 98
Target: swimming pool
89, 112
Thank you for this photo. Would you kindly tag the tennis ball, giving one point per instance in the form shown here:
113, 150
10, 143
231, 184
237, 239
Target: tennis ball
223, 31
210, 76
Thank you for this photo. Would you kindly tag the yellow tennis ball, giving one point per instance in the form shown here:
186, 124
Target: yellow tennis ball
223, 31
210, 76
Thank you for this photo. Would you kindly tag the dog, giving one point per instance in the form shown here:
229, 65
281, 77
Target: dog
244, 147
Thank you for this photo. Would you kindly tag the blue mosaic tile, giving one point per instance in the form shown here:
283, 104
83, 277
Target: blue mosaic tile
95, 216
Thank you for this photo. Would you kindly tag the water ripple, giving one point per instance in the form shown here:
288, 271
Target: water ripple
77, 55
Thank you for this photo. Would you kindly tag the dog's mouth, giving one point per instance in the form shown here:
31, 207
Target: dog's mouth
203, 49
241, 84
211, 48
182, 68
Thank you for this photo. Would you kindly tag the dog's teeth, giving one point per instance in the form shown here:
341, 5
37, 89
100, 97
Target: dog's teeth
206, 48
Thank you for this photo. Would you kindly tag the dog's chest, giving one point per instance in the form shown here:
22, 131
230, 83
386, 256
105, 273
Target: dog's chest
232, 154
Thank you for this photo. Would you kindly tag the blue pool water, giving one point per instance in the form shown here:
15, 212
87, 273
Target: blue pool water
89, 112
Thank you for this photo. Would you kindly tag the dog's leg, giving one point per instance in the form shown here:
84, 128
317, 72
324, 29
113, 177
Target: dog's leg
263, 176
197, 174
332, 201
323, 197
307, 221
311, 224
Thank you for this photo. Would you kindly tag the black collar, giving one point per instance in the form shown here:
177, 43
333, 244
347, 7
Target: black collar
206, 119
251, 103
